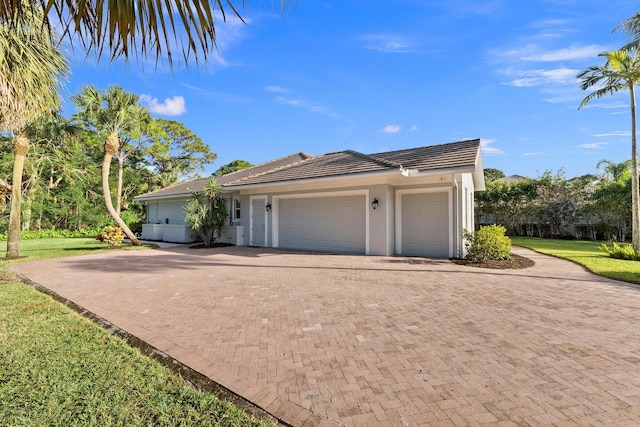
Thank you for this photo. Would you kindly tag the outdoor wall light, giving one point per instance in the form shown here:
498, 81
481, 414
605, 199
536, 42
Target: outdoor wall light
267, 207
375, 203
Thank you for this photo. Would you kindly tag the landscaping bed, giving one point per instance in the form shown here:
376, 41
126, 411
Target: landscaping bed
516, 262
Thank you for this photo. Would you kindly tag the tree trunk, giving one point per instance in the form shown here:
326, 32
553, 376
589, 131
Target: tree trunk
635, 186
119, 188
20, 149
106, 192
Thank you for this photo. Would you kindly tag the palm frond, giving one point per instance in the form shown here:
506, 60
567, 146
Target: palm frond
32, 69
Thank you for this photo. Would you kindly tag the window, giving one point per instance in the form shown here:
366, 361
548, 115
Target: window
236, 208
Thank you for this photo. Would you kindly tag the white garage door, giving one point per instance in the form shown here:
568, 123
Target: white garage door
425, 224
334, 224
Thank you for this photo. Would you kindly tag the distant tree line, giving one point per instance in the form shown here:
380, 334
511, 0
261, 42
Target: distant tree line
595, 207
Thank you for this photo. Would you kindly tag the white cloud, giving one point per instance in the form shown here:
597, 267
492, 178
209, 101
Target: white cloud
529, 78
489, 150
275, 89
388, 43
535, 53
170, 107
535, 153
613, 105
625, 133
594, 145
391, 129
413, 128
311, 106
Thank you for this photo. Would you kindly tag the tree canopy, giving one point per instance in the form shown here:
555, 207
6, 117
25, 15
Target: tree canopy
233, 166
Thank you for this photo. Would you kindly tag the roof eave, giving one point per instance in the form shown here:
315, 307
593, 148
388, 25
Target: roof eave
166, 197
390, 173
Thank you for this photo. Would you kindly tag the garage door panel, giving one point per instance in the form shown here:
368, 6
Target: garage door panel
425, 224
334, 224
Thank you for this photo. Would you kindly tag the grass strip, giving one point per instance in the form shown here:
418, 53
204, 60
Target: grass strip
35, 249
59, 369
586, 253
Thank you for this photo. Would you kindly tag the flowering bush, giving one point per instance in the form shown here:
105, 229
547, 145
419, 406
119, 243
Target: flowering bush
112, 234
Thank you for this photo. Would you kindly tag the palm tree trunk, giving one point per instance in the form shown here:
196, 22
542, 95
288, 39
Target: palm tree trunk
119, 188
635, 187
20, 149
106, 192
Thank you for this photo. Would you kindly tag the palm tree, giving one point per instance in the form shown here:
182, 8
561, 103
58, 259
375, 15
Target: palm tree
126, 28
630, 26
112, 112
207, 217
620, 72
615, 171
31, 69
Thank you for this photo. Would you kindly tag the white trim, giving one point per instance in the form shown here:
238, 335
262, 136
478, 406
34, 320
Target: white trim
276, 209
266, 223
400, 193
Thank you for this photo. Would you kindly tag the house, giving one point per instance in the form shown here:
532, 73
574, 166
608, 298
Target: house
412, 202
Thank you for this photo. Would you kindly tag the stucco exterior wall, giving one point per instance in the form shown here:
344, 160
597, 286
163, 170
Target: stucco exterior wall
381, 223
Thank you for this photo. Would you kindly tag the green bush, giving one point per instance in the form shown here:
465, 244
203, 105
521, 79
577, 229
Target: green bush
488, 243
133, 219
625, 252
53, 233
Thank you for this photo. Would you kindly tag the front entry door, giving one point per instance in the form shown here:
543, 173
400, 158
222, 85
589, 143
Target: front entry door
258, 222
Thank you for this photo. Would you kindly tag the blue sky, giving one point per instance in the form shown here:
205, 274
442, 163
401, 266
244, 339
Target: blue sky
375, 76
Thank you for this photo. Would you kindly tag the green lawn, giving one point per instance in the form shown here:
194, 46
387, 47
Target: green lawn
59, 369
586, 253
58, 247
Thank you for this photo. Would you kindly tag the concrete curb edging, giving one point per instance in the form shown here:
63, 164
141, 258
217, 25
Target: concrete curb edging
190, 375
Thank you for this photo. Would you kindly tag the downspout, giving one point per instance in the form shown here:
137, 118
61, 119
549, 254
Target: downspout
458, 249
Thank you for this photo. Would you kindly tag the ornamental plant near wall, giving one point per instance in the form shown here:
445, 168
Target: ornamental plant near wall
488, 243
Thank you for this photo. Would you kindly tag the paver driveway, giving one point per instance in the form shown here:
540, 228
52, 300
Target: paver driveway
363, 341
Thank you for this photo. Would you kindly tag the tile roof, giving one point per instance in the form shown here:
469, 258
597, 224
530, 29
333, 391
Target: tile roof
443, 156
300, 166
197, 185
454, 155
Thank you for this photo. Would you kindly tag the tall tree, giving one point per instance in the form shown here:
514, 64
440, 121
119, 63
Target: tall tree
620, 72
112, 112
31, 70
174, 152
236, 165
128, 28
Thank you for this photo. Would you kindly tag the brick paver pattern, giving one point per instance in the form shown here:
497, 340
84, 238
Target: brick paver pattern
322, 339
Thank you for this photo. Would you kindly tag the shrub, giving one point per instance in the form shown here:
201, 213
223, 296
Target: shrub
112, 234
625, 252
133, 219
488, 243
53, 233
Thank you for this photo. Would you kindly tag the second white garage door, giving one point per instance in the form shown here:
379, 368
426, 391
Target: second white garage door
425, 224
333, 224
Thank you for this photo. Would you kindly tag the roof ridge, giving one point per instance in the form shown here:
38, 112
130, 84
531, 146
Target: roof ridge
307, 157
476, 140
264, 163
375, 159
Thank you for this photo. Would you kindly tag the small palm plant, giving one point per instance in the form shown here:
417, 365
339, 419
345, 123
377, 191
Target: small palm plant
207, 217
